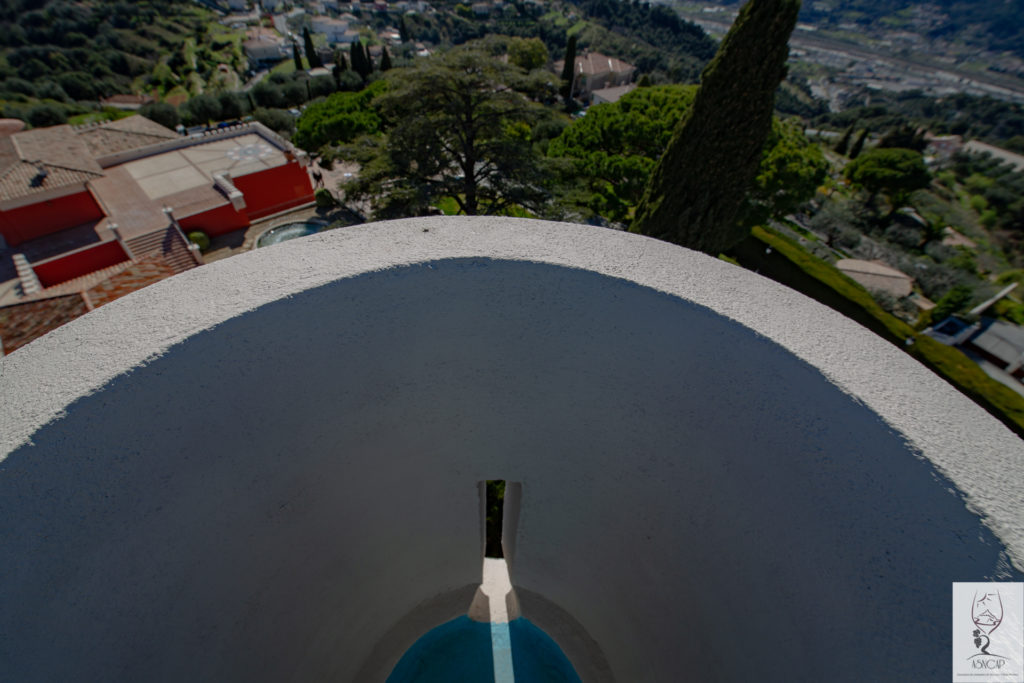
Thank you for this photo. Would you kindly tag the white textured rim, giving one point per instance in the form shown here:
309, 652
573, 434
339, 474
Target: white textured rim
979, 454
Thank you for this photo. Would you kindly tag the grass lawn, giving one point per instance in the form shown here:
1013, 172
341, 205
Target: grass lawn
106, 114
287, 66
448, 206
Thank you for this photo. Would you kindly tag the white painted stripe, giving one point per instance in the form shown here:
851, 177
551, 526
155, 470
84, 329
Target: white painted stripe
501, 650
496, 586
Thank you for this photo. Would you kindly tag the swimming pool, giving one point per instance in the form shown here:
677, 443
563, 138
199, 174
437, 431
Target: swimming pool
288, 231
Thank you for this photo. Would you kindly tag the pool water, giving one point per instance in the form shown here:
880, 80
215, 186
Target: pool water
460, 650
288, 231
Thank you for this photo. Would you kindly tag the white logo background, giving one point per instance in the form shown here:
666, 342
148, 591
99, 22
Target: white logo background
976, 607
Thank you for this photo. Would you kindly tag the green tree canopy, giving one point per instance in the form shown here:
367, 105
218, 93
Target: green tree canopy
161, 112
201, 109
460, 128
858, 145
527, 53
697, 189
615, 146
341, 118
896, 172
789, 174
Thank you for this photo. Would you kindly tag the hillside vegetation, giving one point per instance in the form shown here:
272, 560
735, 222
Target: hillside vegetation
56, 53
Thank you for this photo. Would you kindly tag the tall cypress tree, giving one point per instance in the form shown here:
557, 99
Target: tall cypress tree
357, 55
568, 71
311, 56
858, 144
844, 142
367, 62
339, 67
297, 57
385, 59
695, 192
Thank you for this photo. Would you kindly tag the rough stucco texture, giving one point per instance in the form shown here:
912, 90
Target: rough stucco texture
721, 479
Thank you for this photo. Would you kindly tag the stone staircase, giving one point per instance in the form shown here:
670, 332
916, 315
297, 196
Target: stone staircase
166, 245
84, 282
29, 281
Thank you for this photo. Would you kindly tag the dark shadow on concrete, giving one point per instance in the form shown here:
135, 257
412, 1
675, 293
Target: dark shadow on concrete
179, 525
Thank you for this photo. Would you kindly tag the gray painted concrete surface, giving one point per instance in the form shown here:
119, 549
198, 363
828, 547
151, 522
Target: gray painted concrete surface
268, 468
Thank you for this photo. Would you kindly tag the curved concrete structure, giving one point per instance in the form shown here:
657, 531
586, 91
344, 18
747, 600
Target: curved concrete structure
721, 479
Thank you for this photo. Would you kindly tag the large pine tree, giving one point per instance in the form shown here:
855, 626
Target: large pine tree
697, 188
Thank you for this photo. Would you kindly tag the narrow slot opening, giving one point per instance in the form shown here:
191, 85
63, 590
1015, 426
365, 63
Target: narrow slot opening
494, 508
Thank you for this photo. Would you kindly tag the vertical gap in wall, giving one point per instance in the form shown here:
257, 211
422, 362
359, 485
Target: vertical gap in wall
494, 507
500, 519
510, 521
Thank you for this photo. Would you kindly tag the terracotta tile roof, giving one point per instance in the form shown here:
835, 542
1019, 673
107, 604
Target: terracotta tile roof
21, 323
56, 150
132, 132
56, 145
876, 275
595, 63
141, 274
18, 180
127, 99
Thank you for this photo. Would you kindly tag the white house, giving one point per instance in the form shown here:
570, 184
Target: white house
336, 30
264, 49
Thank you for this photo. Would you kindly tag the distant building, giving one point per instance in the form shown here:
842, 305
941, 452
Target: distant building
390, 35
334, 29
997, 342
264, 49
943, 147
953, 238
875, 275
238, 5
126, 101
1001, 343
595, 71
613, 94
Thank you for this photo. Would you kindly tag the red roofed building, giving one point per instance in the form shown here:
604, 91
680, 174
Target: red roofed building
79, 205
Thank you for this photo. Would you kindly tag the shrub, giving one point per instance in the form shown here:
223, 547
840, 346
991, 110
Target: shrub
277, 120
43, 115
324, 198
200, 239
954, 301
161, 112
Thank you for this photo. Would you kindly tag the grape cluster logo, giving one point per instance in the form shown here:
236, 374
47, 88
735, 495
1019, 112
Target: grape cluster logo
988, 632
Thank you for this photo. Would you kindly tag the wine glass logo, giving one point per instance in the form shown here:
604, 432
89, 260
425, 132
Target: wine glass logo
987, 614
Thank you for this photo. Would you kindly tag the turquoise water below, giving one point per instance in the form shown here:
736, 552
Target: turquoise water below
460, 650
290, 231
